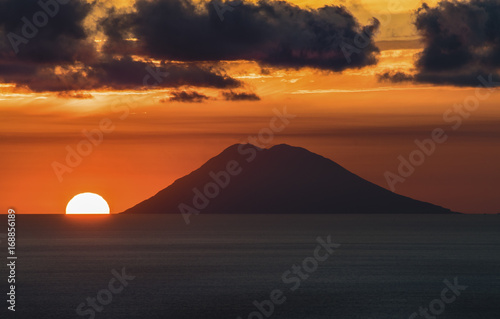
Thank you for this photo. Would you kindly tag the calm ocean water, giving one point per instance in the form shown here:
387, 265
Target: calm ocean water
385, 267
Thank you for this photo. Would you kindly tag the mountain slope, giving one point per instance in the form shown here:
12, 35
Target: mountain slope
283, 179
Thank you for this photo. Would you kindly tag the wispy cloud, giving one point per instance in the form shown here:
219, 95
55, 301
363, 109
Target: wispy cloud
379, 89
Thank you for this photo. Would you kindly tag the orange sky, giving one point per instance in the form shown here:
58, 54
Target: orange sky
350, 117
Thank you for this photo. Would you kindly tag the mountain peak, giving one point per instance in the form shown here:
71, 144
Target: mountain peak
245, 178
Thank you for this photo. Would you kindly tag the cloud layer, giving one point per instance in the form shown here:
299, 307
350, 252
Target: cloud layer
462, 43
242, 96
49, 46
273, 33
187, 97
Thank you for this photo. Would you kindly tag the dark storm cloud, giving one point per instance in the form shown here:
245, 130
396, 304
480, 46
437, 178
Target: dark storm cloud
59, 55
45, 45
462, 43
45, 33
12, 68
126, 73
39, 39
234, 96
123, 73
395, 77
187, 97
274, 33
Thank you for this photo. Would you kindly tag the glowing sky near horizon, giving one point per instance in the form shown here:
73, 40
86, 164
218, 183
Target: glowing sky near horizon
351, 117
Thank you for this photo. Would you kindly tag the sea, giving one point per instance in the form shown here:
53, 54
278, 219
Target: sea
305, 266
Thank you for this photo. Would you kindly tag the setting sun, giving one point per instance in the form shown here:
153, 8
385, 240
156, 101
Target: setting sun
87, 203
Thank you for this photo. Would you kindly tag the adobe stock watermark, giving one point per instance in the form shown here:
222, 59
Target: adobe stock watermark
40, 19
227, 6
11, 259
437, 306
294, 276
222, 179
455, 116
104, 296
94, 137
